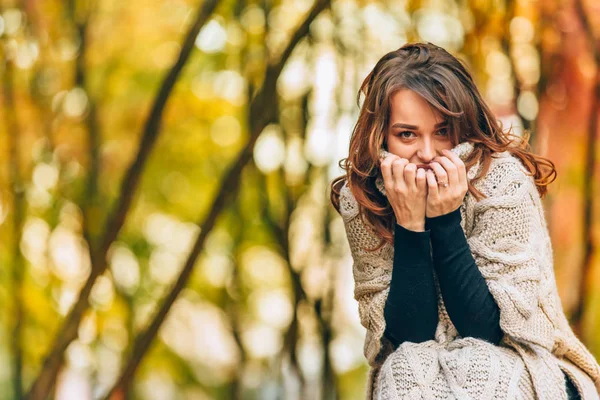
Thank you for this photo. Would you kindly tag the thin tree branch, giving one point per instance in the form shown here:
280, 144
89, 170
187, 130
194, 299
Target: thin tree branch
506, 48
588, 181
232, 302
90, 200
262, 112
68, 332
44, 115
18, 190
280, 233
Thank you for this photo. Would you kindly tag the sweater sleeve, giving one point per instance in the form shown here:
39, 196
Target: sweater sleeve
511, 246
468, 300
411, 307
371, 271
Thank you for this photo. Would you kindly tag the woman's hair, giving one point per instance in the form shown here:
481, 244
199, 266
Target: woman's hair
444, 82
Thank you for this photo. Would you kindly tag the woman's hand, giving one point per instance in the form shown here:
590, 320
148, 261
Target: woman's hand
406, 190
443, 200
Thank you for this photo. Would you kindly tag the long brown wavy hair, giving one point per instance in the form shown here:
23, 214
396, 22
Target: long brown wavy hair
445, 83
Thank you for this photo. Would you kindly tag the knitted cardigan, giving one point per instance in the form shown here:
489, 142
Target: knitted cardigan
509, 240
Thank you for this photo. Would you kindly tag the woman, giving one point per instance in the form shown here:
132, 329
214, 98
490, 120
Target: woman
453, 263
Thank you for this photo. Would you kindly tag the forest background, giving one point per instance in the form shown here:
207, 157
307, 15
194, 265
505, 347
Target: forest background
165, 228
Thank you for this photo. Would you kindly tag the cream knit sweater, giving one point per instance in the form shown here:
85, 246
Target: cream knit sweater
509, 240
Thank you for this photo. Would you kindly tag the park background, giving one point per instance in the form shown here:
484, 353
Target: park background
165, 228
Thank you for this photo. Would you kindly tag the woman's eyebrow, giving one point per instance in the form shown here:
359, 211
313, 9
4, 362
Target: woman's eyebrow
414, 127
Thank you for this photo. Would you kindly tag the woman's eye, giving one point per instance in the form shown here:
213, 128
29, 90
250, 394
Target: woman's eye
406, 134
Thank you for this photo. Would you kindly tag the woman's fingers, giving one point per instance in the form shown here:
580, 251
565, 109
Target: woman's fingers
399, 174
386, 171
432, 185
450, 171
421, 179
440, 173
410, 172
398, 167
392, 170
460, 166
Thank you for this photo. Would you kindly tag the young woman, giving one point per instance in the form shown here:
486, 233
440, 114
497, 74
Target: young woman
453, 262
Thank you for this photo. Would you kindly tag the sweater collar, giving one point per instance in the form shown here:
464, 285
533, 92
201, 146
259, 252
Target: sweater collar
463, 150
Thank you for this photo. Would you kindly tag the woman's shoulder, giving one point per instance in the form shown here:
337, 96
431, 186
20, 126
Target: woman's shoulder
505, 174
348, 206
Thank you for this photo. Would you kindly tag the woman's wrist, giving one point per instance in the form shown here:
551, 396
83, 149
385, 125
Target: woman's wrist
412, 248
441, 221
413, 227
447, 237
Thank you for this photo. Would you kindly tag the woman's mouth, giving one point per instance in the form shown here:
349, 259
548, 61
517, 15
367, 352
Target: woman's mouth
423, 166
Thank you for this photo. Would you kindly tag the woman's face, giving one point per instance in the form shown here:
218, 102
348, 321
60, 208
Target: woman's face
416, 131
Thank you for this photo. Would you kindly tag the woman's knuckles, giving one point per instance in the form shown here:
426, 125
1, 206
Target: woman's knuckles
399, 190
399, 162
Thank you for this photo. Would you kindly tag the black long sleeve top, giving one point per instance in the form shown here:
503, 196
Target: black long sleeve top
411, 312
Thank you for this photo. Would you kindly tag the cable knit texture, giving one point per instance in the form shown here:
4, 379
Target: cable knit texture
509, 240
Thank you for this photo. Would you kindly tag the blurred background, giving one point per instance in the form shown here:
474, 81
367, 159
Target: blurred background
165, 228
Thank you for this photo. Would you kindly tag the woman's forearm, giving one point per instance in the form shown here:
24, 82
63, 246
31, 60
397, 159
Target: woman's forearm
467, 298
411, 307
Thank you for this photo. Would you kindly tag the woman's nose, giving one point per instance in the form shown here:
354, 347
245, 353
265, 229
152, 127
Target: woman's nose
427, 152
